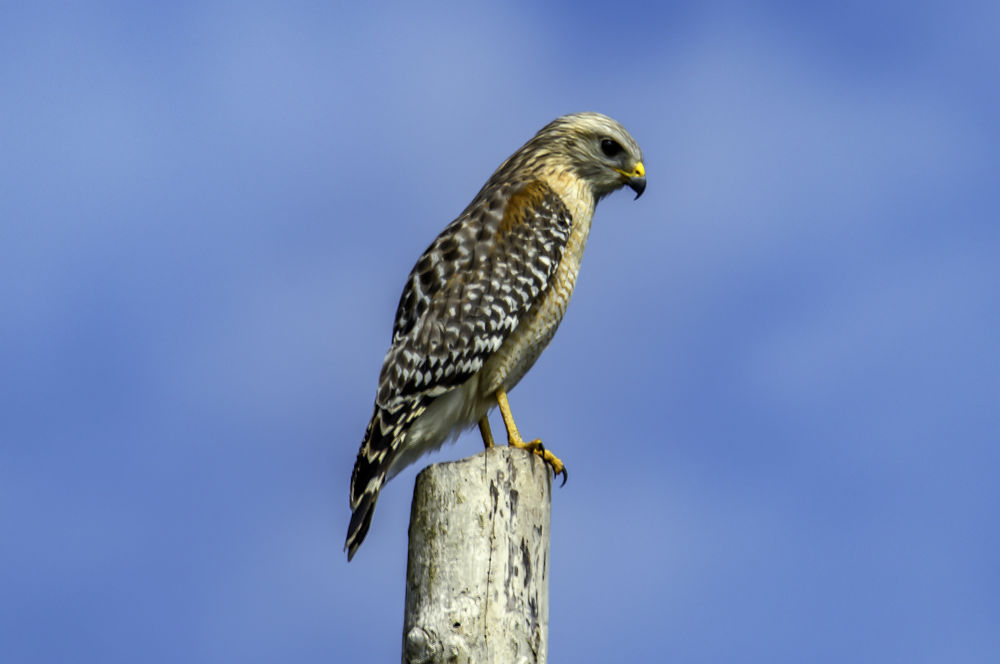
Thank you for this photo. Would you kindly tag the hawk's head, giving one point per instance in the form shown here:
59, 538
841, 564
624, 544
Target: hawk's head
599, 150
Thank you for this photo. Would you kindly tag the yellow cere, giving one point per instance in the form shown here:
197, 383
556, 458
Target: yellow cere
638, 172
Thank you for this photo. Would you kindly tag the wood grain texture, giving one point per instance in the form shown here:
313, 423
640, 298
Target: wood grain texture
478, 571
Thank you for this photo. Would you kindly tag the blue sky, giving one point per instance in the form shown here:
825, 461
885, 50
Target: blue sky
776, 388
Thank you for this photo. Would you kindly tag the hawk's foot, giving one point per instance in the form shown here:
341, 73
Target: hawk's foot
548, 457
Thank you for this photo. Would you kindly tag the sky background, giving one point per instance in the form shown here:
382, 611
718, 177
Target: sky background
776, 389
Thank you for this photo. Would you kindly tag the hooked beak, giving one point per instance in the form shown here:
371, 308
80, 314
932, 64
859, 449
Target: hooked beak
636, 180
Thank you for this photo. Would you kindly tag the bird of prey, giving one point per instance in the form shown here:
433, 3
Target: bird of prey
485, 298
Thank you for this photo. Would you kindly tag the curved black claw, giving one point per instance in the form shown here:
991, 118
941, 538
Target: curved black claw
565, 474
555, 473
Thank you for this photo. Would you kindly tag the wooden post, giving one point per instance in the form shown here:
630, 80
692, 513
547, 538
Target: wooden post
477, 578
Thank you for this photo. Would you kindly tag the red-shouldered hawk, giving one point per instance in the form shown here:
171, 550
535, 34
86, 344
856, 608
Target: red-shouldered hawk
486, 297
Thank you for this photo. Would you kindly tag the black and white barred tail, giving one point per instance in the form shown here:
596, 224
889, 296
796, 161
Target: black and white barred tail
385, 436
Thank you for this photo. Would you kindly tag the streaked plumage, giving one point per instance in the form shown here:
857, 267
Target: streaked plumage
486, 297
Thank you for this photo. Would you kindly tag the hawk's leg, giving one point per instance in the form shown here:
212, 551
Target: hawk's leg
514, 438
484, 429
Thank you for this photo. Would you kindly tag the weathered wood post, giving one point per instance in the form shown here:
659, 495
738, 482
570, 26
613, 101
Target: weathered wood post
477, 578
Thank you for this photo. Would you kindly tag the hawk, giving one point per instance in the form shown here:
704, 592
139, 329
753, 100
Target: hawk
485, 298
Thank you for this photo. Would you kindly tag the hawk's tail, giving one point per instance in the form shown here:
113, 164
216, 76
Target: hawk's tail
383, 440
361, 519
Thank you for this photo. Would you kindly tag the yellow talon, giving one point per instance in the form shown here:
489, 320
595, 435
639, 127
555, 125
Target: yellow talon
548, 457
514, 439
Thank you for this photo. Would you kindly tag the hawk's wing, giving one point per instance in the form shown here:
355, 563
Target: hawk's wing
470, 289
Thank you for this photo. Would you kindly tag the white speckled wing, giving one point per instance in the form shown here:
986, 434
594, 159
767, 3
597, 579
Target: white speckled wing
470, 289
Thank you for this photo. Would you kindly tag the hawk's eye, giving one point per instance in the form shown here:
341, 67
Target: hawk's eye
611, 147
